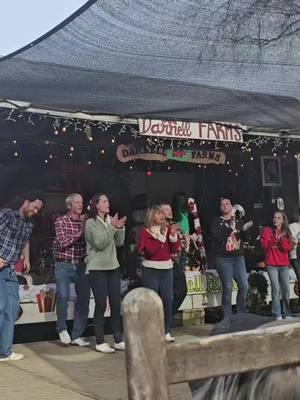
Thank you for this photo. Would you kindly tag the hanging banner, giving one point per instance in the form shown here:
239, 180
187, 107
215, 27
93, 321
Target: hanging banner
129, 152
191, 130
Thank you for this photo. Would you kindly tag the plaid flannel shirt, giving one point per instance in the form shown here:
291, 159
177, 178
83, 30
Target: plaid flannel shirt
69, 243
14, 233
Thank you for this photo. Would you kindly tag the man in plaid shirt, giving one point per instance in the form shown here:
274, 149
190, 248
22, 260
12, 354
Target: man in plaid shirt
15, 230
69, 254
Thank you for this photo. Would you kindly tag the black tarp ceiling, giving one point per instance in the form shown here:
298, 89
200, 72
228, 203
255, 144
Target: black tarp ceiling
183, 59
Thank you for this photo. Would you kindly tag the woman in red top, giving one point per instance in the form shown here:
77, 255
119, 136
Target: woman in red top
157, 244
277, 243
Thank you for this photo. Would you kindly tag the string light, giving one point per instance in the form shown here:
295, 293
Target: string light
131, 167
71, 148
102, 151
64, 129
14, 142
113, 140
51, 156
90, 162
46, 161
16, 154
56, 132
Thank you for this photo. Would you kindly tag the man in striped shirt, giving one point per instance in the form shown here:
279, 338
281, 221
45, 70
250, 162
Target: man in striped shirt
69, 254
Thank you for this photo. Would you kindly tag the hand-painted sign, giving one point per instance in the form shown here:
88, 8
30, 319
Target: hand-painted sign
130, 152
191, 130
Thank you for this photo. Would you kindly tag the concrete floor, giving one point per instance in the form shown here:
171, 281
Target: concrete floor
53, 371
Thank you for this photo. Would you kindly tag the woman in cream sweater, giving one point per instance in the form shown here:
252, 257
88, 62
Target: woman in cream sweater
103, 233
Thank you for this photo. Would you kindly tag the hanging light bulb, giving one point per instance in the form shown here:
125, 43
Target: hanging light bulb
16, 154
64, 129
131, 167
56, 132
50, 156
113, 140
14, 141
88, 132
102, 151
90, 162
46, 161
71, 148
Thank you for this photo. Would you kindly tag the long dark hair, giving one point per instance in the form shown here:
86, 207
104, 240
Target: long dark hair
285, 225
93, 212
177, 207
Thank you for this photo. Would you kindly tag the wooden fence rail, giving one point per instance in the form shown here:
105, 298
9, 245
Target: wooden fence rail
152, 365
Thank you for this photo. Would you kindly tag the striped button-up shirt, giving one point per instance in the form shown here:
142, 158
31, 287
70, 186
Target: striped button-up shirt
69, 244
15, 231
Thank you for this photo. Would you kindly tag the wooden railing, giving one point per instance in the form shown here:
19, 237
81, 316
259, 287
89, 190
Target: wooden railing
152, 364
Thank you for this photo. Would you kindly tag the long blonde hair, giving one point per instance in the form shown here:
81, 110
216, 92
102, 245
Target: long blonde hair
149, 218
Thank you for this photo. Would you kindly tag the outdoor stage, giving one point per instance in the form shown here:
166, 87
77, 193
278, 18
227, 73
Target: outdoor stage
53, 371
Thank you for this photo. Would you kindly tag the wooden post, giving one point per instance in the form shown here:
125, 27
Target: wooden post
146, 358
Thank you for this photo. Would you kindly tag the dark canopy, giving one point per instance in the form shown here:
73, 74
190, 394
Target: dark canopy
164, 59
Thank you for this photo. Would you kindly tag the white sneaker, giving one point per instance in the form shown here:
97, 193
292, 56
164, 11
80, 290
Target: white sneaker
279, 318
64, 337
120, 346
13, 357
105, 348
81, 342
169, 338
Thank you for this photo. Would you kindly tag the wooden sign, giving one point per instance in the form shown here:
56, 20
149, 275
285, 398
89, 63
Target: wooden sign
191, 130
129, 152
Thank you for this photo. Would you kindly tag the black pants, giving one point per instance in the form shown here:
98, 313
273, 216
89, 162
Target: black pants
179, 283
179, 291
103, 284
296, 266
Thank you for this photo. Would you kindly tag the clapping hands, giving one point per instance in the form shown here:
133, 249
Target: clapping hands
173, 230
118, 223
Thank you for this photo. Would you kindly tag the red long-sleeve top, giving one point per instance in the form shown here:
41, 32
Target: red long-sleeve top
157, 252
276, 249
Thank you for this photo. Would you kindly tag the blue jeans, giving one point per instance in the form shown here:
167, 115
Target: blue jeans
65, 274
230, 268
280, 285
161, 281
9, 308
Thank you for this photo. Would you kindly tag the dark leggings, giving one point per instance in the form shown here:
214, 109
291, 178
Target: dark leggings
103, 284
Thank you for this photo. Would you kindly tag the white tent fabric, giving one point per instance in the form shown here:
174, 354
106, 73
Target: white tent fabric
160, 59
